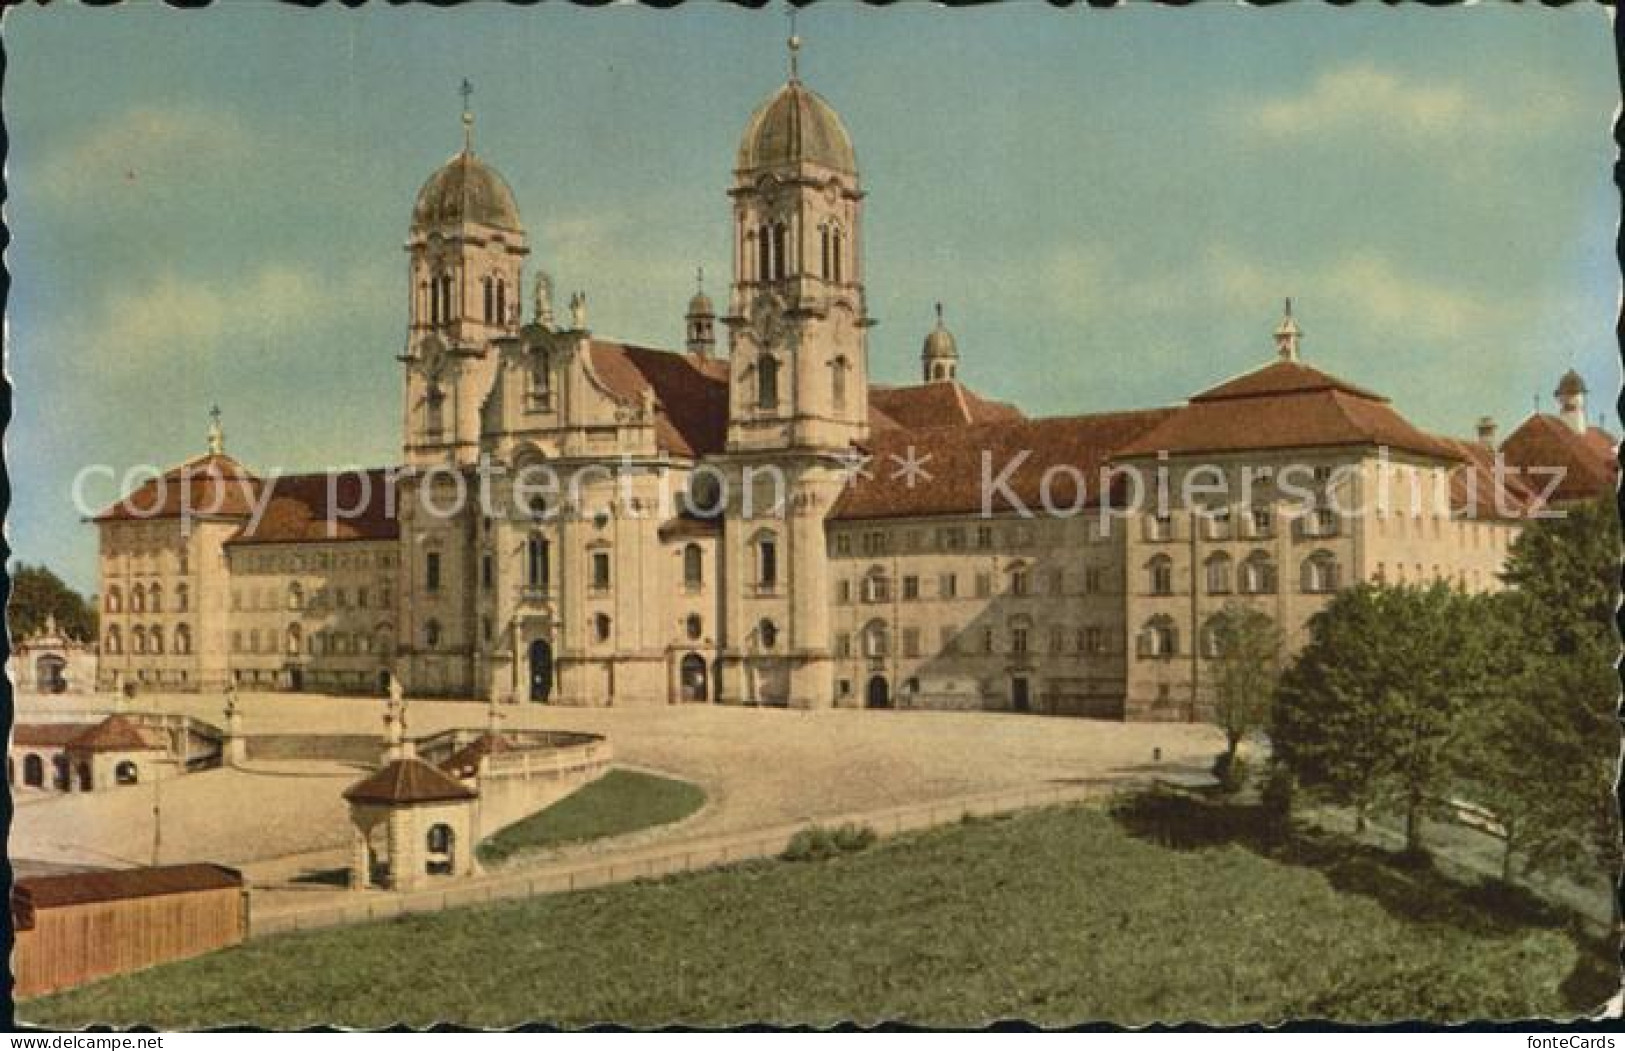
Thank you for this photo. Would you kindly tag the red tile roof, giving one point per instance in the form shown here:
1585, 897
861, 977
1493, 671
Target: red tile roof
351, 505
46, 735
116, 734
953, 459
1544, 442
408, 781
82, 888
940, 404
1285, 405
213, 486
1473, 485
690, 393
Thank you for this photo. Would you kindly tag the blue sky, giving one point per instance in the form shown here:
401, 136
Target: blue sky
210, 207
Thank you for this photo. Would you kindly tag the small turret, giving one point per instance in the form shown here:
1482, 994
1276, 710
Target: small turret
702, 319
1571, 401
939, 357
1288, 335
1486, 431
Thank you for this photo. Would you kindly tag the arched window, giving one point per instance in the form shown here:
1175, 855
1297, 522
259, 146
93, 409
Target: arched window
434, 417
693, 567
747, 252
1320, 573
768, 632
183, 640
138, 599
440, 839
1160, 574
780, 243
837, 380
183, 597
115, 644
1258, 574
538, 562
824, 254
296, 596
601, 627
767, 560
1159, 638
502, 302
764, 255
115, 600
431, 634
767, 382
138, 639
126, 773
33, 771
836, 253
694, 627
1218, 574
1211, 639
155, 639
1021, 579
489, 288
876, 639
446, 302
876, 585
295, 640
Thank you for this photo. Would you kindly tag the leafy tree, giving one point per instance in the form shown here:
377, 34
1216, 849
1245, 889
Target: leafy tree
1544, 753
1244, 672
1373, 708
36, 594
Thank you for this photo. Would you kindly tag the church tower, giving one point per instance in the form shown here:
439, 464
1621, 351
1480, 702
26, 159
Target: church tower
797, 317
939, 357
798, 392
467, 248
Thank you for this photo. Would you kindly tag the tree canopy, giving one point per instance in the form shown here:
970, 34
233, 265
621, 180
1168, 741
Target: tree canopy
37, 594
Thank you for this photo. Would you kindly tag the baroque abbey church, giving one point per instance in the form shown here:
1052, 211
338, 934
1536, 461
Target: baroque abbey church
797, 565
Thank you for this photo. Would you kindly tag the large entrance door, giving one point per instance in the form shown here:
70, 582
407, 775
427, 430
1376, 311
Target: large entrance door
879, 695
692, 674
1020, 699
541, 670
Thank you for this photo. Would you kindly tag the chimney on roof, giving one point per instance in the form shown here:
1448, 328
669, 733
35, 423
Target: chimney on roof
1287, 336
1486, 431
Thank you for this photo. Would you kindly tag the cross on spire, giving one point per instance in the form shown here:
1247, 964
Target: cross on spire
699, 279
467, 91
1287, 335
217, 436
794, 44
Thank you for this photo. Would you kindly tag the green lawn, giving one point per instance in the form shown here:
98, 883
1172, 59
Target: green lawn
621, 801
1059, 916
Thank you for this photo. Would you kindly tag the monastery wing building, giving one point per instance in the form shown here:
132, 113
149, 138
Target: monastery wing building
691, 527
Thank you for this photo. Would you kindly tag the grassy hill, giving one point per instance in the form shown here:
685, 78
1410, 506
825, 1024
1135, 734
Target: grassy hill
1058, 916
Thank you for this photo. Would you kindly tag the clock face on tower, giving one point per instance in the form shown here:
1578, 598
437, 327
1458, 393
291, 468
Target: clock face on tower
767, 319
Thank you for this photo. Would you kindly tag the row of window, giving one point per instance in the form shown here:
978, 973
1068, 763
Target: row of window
314, 560
876, 585
765, 252
294, 596
293, 641
1319, 573
875, 640
147, 560
1160, 638
874, 542
148, 599
145, 640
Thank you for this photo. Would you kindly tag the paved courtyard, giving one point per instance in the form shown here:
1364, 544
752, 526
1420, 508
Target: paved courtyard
759, 768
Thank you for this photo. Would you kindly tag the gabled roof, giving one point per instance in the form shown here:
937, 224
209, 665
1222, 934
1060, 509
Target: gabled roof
690, 393
408, 781
1543, 443
209, 486
1285, 405
940, 404
951, 461
115, 734
352, 505
82, 888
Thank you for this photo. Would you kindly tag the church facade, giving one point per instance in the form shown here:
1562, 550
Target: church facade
577, 520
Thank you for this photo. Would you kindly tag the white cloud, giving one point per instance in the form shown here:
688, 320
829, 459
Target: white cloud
172, 319
145, 146
1369, 100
